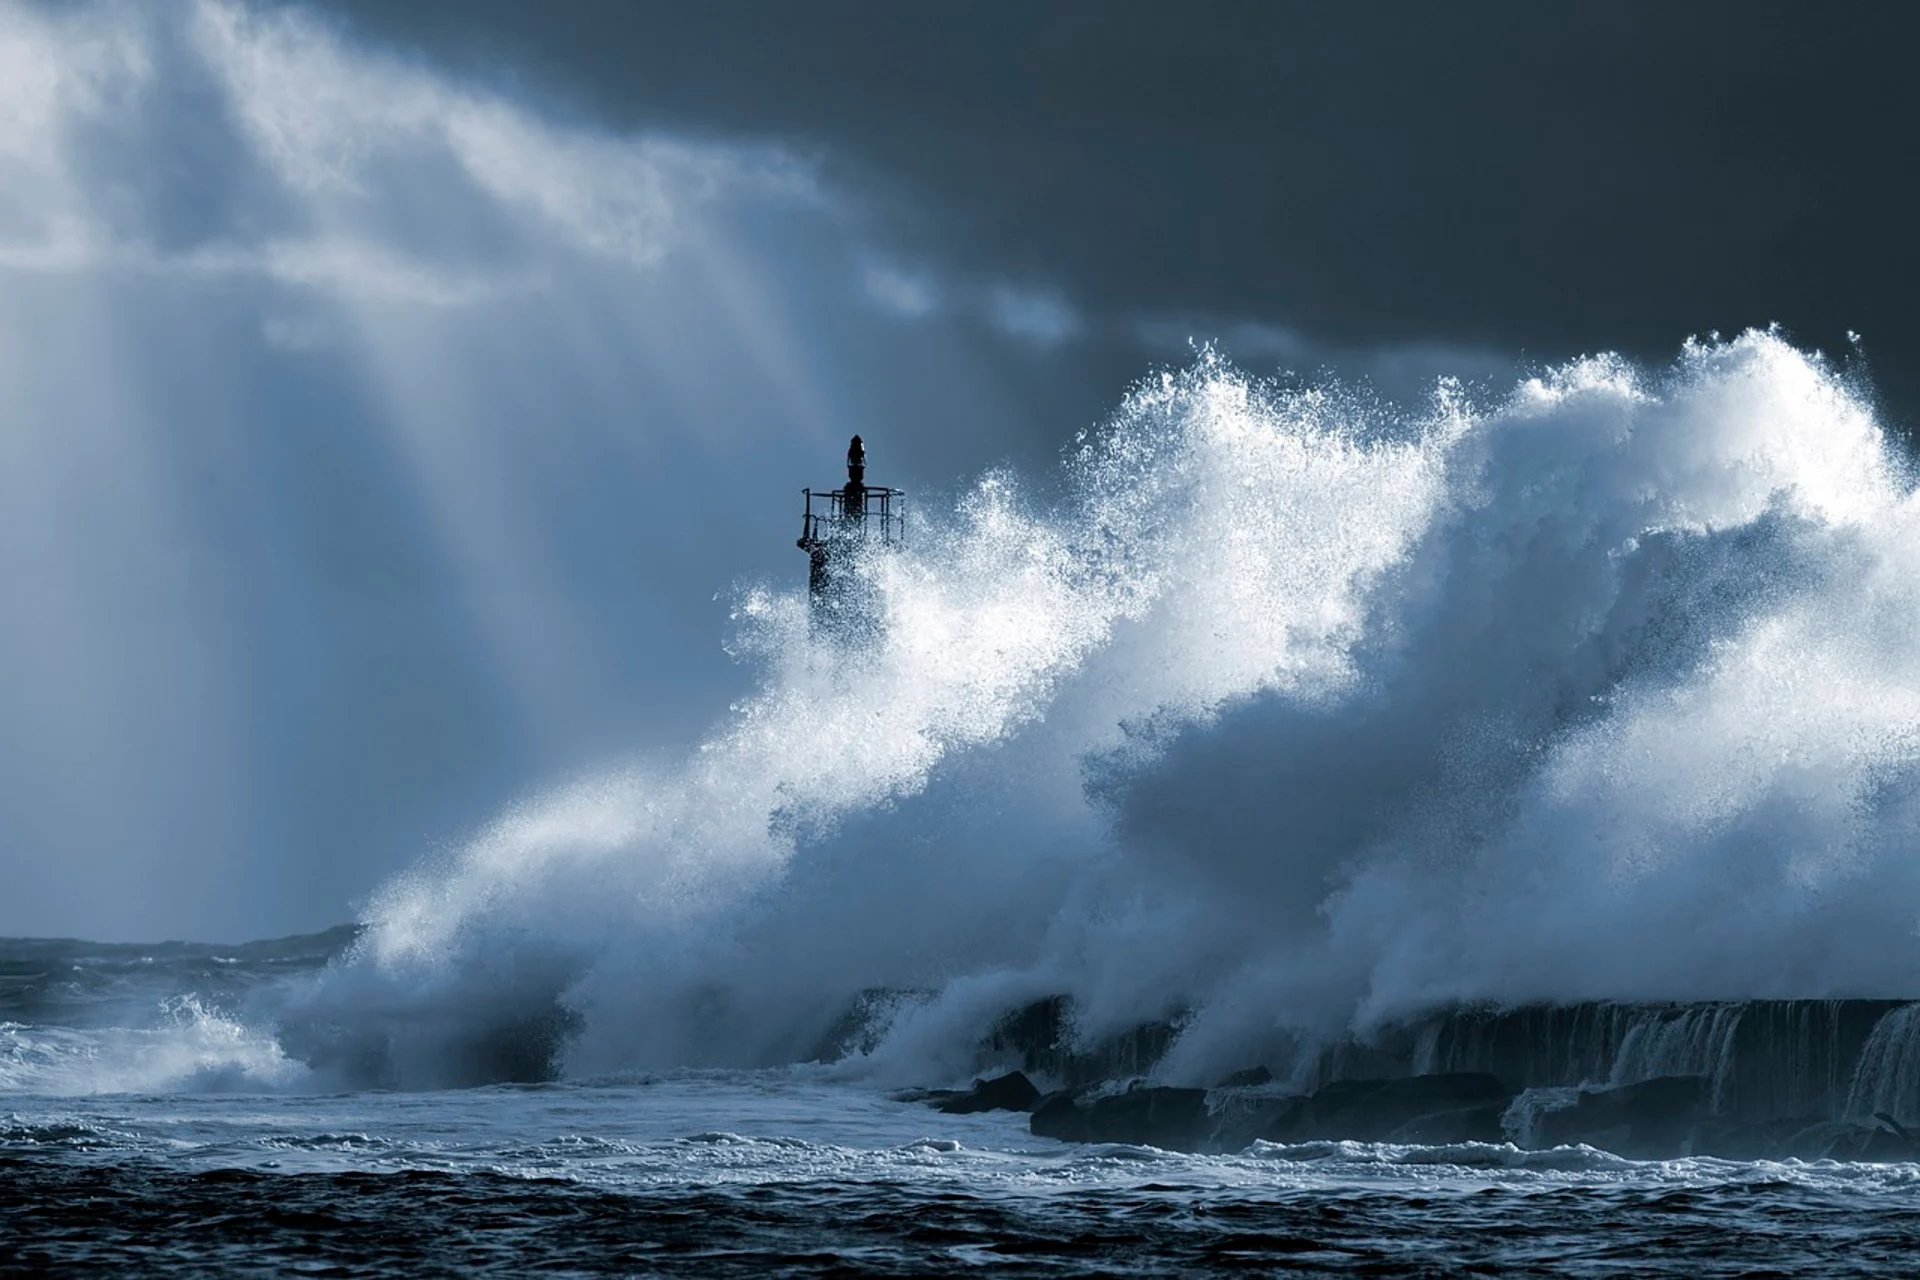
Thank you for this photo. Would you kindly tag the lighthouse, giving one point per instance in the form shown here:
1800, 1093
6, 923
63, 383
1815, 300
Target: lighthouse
839, 526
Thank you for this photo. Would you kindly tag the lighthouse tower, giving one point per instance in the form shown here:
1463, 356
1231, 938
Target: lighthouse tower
836, 528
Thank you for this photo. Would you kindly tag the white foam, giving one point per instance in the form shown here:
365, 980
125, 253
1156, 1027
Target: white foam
191, 1049
1296, 710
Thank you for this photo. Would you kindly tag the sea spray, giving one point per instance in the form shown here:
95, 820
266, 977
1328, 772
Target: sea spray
186, 1047
1297, 712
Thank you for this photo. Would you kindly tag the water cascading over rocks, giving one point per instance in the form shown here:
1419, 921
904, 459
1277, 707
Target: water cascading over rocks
1744, 1079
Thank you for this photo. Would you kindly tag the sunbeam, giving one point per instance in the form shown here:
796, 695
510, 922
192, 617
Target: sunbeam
407, 442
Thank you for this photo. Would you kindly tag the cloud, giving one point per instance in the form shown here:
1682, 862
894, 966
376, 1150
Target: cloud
898, 292
339, 265
1032, 317
1043, 318
1400, 370
296, 332
1249, 342
312, 151
1454, 172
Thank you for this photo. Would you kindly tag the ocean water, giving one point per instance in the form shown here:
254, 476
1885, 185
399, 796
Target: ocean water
1280, 717
172, 1141
1293, 719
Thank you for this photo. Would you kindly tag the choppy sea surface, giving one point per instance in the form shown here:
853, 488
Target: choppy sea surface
145, 1125
732, 1173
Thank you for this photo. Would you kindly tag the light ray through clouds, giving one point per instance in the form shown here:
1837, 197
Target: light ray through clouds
356, 423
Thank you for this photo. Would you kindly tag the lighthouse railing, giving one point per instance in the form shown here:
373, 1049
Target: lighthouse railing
874, 513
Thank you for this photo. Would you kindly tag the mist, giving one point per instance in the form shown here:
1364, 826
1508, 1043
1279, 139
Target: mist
401, 470
379, 446
1296, 714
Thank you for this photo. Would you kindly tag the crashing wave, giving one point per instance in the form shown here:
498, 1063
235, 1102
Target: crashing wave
1296, 712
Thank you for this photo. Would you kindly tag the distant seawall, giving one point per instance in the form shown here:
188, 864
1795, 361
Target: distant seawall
1763, 1059
1749, 1078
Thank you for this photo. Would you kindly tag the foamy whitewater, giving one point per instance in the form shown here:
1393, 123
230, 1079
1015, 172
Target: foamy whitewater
1298, 718
1299, 712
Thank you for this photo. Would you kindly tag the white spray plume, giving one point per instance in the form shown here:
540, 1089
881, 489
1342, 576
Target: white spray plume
1298, 713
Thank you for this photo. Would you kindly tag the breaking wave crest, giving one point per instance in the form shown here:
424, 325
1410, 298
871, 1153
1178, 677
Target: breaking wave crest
1298, 711
189, 1048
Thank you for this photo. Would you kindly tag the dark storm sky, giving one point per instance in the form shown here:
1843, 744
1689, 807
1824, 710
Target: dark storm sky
1543, 179
365, 364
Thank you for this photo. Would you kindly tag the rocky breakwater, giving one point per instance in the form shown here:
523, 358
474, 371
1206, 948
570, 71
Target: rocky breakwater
1429, 1110
1749, 1080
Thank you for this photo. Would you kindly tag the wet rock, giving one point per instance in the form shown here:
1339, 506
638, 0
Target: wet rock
1888, 1141
1462, 1124
1460, 1107
1378, 1110
1651, 1119
1151, 1116
1795, 1137
932, 1097
1039, 1036
1010, 1092
1806, 1139
1060, 1115
1250, 1078
1033, 1032
861, 1026
1241, 1118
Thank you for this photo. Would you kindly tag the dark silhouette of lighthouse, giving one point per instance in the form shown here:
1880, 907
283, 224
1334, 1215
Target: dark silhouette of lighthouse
856, 518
